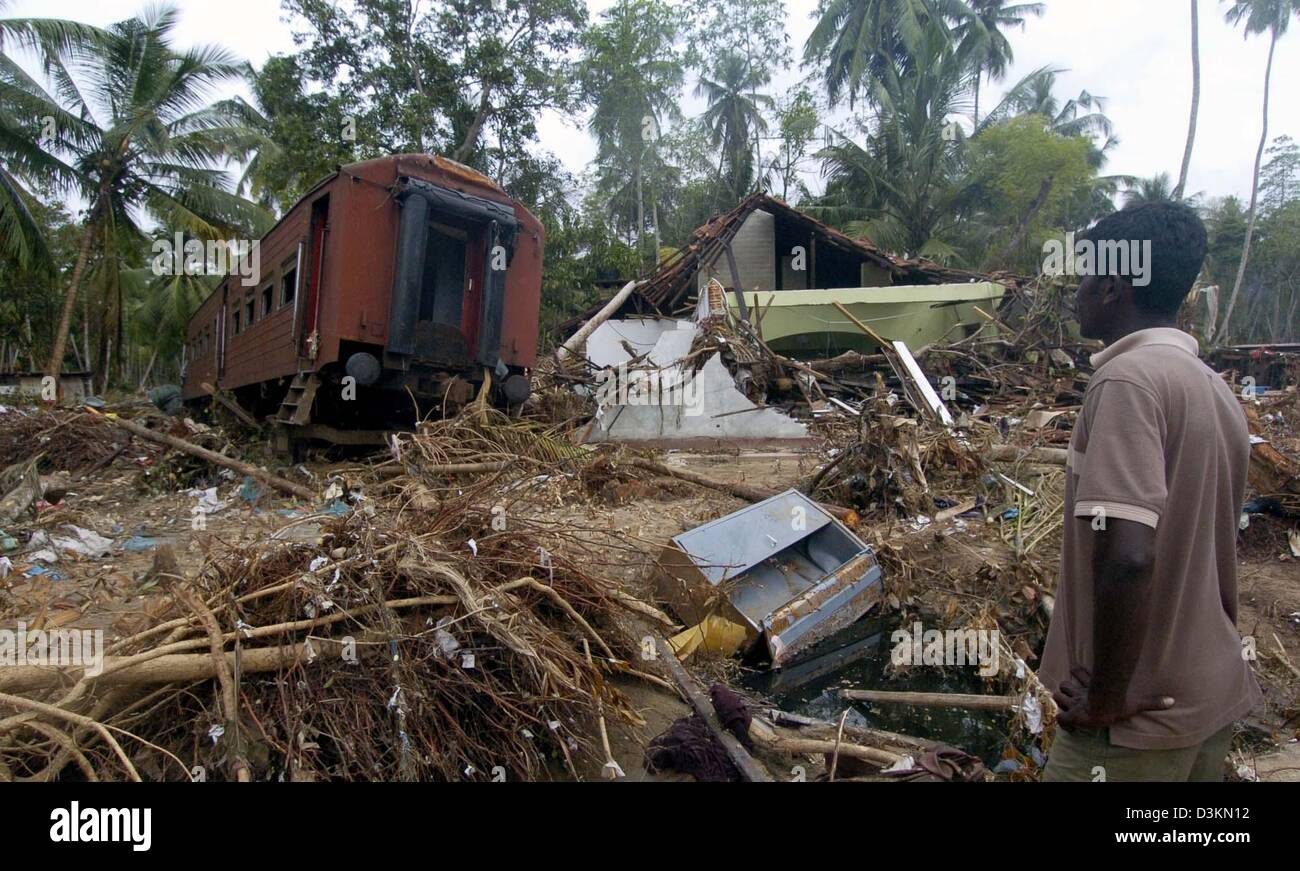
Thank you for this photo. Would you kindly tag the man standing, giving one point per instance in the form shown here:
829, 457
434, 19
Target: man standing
1143, 655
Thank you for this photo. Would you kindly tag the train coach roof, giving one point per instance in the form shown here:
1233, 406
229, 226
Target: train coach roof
456, 172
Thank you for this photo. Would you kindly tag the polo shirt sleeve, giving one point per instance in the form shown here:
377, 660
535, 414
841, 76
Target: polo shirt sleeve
1122, 470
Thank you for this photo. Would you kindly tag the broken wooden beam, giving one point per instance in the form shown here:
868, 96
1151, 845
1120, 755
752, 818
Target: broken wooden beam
771, 739
1015, 454
232, 406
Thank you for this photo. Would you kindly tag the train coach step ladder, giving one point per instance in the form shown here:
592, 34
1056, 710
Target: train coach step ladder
295, 408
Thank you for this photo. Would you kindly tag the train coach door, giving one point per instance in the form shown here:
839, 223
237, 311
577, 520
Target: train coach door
449, 282
308, 337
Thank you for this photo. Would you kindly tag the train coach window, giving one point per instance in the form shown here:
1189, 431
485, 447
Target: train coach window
288, 285
268, 300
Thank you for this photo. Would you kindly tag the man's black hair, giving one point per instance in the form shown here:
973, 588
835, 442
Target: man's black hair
1177, 249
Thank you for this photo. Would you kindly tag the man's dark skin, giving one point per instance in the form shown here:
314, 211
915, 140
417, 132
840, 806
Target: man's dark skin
1123, 555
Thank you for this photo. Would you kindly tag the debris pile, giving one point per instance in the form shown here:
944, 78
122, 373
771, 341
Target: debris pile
401, 644
482, 598
408, 641
66, 440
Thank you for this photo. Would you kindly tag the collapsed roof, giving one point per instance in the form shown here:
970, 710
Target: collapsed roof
832, 260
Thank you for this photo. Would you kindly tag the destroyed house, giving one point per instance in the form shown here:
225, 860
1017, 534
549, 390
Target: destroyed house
793, 268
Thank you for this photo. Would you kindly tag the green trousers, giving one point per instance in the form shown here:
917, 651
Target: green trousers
1087, 755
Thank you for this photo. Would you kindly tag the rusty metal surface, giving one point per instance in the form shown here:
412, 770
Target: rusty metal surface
782, 568
838, 601
356, 278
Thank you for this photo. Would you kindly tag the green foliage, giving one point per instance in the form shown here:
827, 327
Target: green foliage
905, 186
30, 292
1279, 180
631, 72
857, 43
1272, 295
979, 27
311, 130
734, 120
458, 77
798, 122
1027, 176
1159, 188
580, 250
916, 165
1225, 225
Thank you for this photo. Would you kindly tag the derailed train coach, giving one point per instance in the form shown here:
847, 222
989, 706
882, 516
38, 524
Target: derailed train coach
395, 288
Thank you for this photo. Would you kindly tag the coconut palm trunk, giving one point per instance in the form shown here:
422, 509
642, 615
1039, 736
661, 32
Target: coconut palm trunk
1196, 102
55, 367
640, 216
1254, 196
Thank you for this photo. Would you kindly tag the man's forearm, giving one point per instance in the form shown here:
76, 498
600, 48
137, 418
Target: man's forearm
1122, 570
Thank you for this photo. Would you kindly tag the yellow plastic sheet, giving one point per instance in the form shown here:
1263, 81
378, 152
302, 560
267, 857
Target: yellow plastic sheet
713, 634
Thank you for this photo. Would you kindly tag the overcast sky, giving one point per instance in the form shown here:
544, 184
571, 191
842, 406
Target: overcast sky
1134, 54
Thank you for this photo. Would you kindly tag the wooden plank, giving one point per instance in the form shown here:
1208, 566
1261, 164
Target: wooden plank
231, 405
913, 370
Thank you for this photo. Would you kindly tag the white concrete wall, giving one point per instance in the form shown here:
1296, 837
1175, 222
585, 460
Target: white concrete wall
755, 248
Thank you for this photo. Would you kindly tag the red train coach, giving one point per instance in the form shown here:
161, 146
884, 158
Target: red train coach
414, 275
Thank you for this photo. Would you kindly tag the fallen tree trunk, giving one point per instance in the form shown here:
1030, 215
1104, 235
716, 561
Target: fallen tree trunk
576, 341
281, 484
169, 668
966, 701
22, 678
450, 468
191, 667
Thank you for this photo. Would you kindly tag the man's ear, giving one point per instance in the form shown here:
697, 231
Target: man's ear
1114, 290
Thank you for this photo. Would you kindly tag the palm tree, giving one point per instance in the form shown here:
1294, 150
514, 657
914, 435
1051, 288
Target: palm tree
1257, 16
908, 177
733, 118
632, 73
23, 160
133, 137
1196, 103
1155, 189
160, 308
856, 42
1035, 94
981, 31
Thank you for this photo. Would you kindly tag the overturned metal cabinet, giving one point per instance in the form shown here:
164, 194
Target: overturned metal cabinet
783, 568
